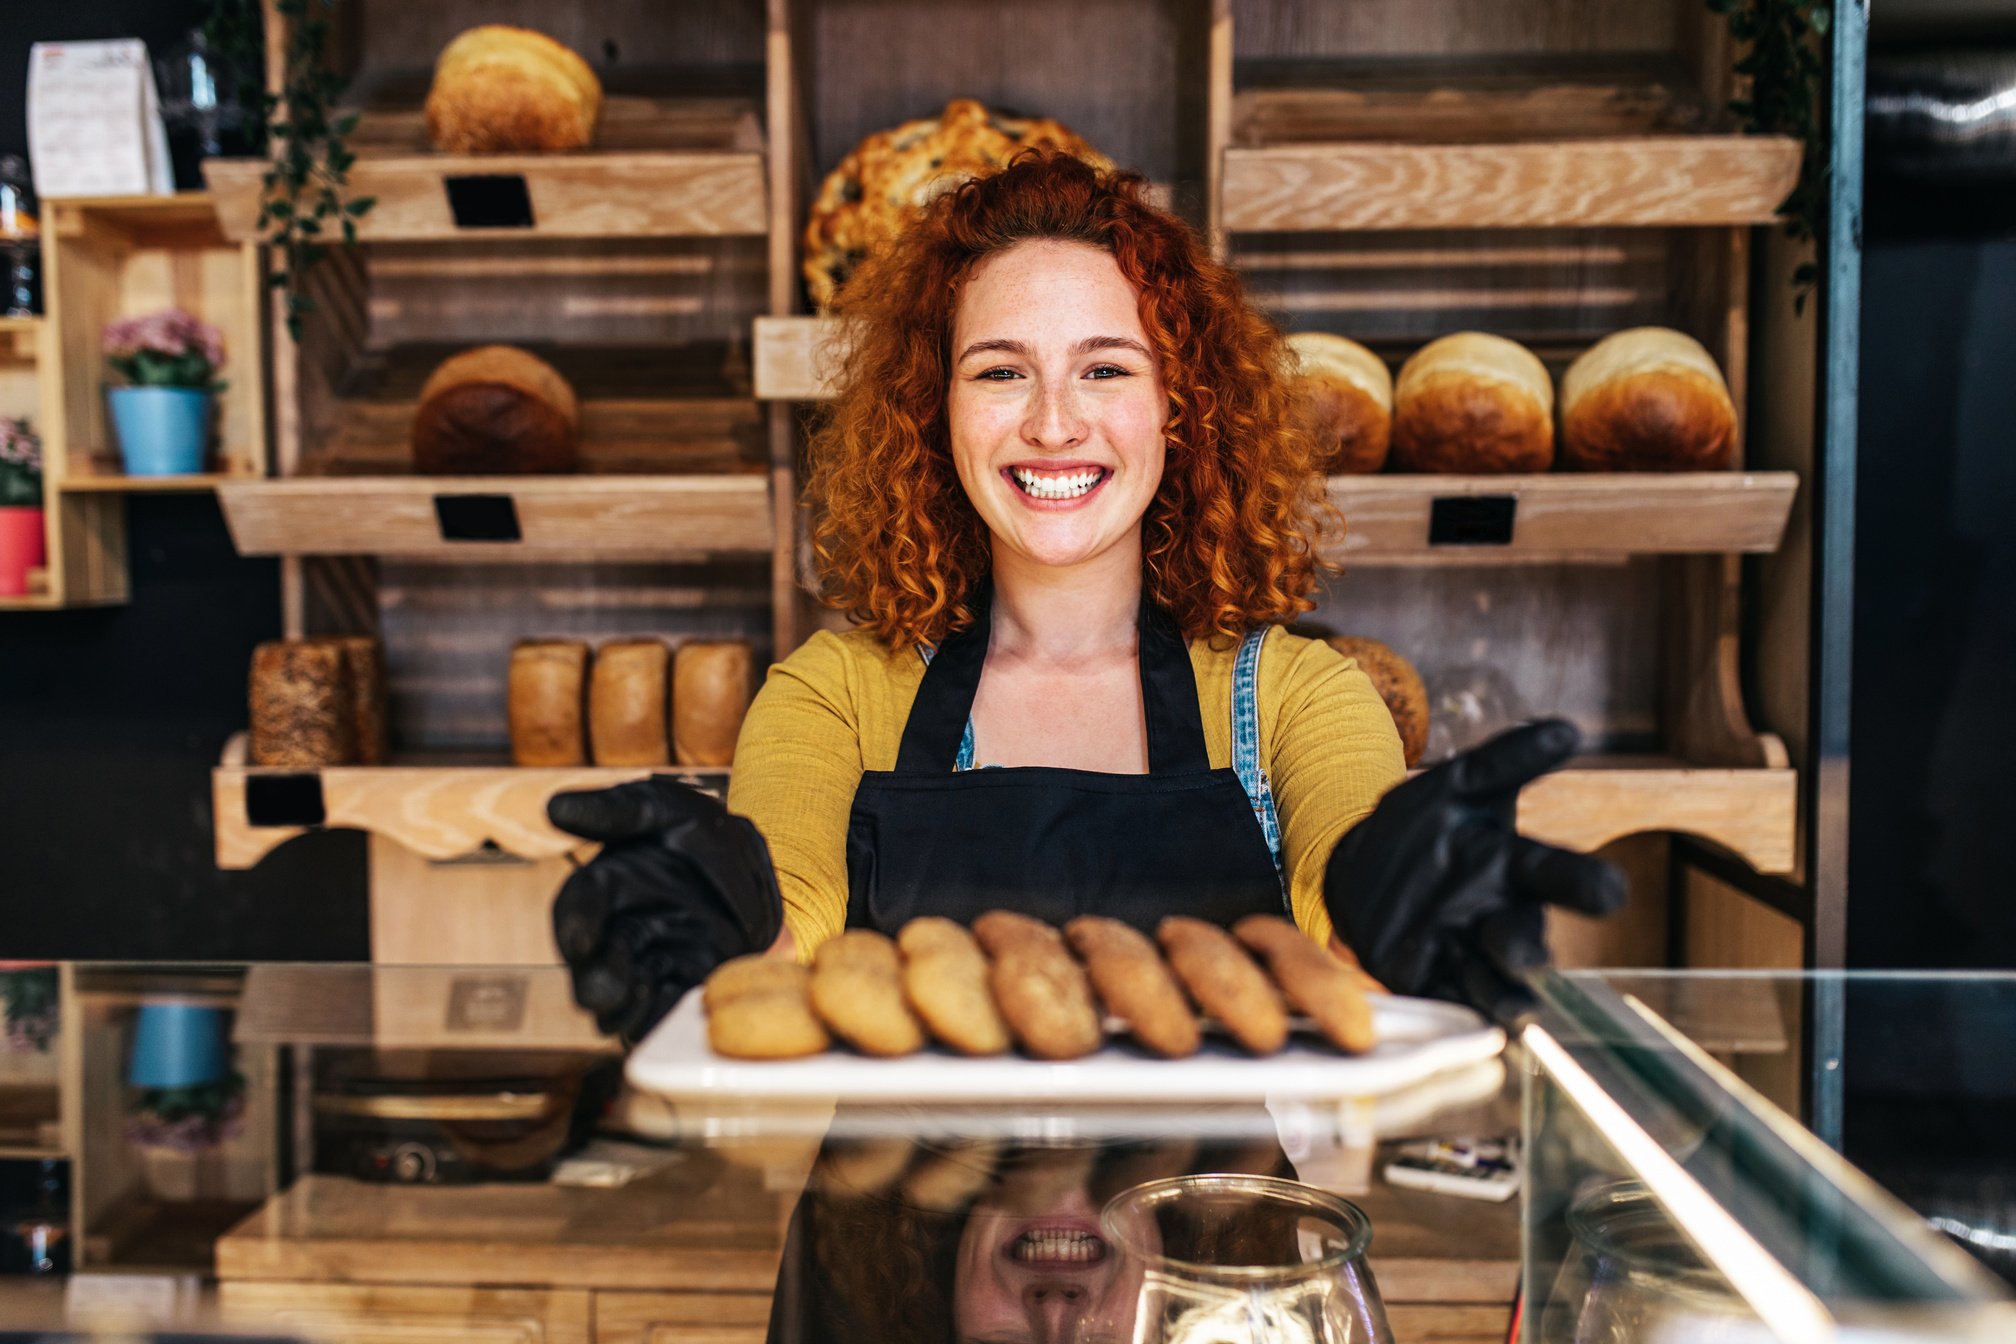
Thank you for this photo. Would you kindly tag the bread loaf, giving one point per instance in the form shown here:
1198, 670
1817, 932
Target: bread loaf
499, 89
1647, 399
878, 189
303, 713
1343, 398
1473, 402
495, 410
548, 686
711, 681
1398, 684
365, 659
626, 702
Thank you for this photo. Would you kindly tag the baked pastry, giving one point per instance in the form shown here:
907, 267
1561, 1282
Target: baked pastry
1647, 399
547, 686
365, 657
302, 705
1473, 402
1225, 982
1398, 684
495, 410
757, 1014
857, 991
889, 177
1041, 991
499, 89
710, 695
1135, 984
1343, 398
626, 702
1316, 984
945, 984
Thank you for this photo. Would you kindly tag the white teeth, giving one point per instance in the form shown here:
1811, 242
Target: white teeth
1068, 486
1058, 1247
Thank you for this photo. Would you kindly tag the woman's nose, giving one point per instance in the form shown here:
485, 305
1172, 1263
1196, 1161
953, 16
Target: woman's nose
1056, 1311
1054, 421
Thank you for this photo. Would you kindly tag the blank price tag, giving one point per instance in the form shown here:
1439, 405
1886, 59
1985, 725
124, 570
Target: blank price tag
284, 800
1472, 520
489, 201
477, 518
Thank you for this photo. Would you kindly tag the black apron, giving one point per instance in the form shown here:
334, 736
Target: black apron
924, 839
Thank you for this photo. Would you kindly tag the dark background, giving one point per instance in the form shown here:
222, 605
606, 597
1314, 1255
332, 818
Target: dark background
110, 719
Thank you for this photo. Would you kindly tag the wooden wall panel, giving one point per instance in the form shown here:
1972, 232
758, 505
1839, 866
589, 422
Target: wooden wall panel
1291, 28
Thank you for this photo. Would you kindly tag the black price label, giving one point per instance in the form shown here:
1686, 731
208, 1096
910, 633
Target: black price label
1472, 520
489, 201
284, 800
477, 518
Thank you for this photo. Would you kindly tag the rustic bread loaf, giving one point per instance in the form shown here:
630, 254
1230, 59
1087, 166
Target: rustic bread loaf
1647, 399
365, 659
1473, 402
1398, 684
499, 89
889, 177
627, 693
495, 410
711, 686
302, 702
547, 689
1343, 398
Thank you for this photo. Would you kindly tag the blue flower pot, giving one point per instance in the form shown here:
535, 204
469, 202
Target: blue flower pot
163, 431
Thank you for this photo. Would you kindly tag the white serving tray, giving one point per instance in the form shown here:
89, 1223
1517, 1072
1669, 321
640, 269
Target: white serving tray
1418, 1038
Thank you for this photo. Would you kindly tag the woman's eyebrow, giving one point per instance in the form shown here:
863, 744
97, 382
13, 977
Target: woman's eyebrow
1084, 347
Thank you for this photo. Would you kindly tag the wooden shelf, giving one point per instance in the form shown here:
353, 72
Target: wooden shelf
1596, 800
1340, 145
109, 484
568, 517
438, 811
661, 167
1559, 516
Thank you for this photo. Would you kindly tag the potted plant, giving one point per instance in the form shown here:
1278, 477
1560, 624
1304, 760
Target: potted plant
186, 1094
30, 998
21, 534
169, 361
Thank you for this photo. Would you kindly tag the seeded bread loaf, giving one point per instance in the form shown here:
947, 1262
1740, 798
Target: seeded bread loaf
495, 410
302, 702
1473, 402
711, 687
546, 692
365, 659
1343, 398
1647, 399
1398, 684
627, 692
499, 89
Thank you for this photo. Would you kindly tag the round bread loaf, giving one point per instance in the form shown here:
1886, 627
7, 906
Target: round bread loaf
548, 687
1398, 684
710, 694
499, 89
303, 705
495, 410
1344, 399
1647, 399
627, 693
1473, 402
890, 176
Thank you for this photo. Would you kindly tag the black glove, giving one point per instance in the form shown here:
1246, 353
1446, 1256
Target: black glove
680, 886
1440, 896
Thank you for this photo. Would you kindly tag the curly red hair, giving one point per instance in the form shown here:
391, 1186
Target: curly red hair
1229, 541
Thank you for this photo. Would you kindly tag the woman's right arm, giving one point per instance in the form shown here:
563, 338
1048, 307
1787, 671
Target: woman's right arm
797, 764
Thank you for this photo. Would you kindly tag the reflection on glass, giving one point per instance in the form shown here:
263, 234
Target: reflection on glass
1247, 1260
1631, 1276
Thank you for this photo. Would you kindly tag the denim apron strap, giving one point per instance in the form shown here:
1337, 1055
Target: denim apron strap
1246, 742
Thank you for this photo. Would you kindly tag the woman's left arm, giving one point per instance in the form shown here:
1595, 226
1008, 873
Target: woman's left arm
1331, 753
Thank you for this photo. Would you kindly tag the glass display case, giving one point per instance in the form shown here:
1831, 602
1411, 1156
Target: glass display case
454, 1152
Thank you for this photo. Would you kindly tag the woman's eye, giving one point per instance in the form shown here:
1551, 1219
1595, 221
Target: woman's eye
1107, 371
997, 375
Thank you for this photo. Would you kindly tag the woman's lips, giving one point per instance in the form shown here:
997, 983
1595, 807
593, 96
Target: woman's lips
1057, 1244
1052, 488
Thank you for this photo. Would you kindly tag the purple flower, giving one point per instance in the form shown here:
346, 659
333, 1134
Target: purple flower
172, 332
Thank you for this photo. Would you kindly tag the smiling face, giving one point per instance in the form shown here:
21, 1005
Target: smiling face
1056, 405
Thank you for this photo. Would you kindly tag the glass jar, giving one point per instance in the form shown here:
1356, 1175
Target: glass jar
1230, 1259
20, 242
1631, 1276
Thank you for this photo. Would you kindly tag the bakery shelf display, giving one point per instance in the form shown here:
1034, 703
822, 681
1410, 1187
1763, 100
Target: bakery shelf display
436, 811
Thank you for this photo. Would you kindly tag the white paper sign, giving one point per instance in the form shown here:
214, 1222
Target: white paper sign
94, 121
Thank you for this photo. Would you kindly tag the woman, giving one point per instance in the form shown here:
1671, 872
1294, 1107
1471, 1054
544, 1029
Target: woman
1060, 495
